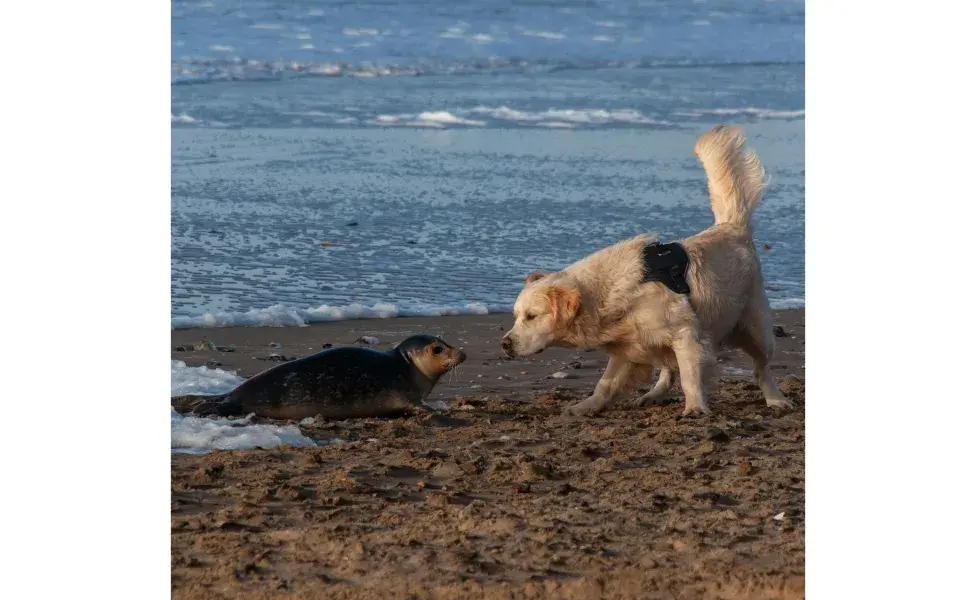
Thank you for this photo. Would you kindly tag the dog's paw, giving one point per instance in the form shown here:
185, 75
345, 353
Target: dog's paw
779, 403
649, 400
586, 407
699, 409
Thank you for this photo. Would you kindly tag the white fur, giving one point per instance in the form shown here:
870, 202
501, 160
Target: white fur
601, 301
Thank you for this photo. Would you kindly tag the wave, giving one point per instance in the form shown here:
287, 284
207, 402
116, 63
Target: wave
572, 116
479, 116
762, 113
436, 119
505, 116
554, 118
546, 35
786, 303
281, 315
203, 70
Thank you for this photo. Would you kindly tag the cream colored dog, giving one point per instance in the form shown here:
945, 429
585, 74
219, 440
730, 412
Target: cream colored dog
602, 301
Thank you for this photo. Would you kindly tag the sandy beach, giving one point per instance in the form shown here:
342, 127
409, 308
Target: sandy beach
501, 496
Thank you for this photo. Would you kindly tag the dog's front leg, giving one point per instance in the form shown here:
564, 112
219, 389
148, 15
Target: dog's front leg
616, 381
693, 361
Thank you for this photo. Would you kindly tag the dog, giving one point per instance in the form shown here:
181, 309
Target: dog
605, 301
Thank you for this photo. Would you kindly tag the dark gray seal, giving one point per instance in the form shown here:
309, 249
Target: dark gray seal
338, 383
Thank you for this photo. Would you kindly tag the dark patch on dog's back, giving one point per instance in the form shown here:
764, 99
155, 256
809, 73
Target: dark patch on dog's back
667, 264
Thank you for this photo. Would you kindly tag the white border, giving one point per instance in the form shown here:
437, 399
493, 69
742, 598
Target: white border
86, 246
889, 331
85, 349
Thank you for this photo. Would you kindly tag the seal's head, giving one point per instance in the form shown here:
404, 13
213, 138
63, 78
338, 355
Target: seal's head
431, 355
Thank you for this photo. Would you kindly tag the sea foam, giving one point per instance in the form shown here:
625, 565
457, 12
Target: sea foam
281, 315
196, 434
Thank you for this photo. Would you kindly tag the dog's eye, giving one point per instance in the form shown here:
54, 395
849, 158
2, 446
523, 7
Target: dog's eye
438, 349
529, 317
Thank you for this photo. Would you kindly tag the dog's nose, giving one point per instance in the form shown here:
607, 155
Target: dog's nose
506, 343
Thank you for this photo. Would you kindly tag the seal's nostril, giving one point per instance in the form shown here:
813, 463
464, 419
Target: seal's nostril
506, 342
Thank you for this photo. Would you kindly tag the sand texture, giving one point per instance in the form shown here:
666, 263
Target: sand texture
501, 496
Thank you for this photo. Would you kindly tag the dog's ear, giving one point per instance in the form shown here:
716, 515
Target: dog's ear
564, 302
535, 276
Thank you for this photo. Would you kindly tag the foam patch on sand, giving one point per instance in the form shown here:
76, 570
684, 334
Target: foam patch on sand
200, 380
202, 434
196, 434
281, 315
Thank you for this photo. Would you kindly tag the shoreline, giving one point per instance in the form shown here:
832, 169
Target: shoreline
292, 316
487, 369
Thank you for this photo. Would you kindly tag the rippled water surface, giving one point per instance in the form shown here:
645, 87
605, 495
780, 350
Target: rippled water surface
337, 160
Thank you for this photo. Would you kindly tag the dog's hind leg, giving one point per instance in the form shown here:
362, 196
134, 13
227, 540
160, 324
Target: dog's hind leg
754, 335
660, 390
619, 378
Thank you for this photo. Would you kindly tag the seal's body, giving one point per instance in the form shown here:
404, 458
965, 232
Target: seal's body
338, 383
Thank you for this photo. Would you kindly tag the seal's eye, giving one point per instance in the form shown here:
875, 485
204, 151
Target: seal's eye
529, 317
438, 349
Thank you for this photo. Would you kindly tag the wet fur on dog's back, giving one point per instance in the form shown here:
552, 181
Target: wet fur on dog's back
602, 301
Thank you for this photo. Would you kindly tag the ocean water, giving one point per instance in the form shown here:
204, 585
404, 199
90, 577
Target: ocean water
341, 160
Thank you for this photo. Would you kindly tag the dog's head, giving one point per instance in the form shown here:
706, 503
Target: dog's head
544, 311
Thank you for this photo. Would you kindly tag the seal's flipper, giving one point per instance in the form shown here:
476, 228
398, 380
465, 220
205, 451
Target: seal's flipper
197, 404
227, 407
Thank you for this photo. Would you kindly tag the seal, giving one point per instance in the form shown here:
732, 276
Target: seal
337, 383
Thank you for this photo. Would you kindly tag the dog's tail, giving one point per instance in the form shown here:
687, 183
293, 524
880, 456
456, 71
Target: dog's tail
736, 179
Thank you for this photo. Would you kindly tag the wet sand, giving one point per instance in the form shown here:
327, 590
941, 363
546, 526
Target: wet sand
501, 497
